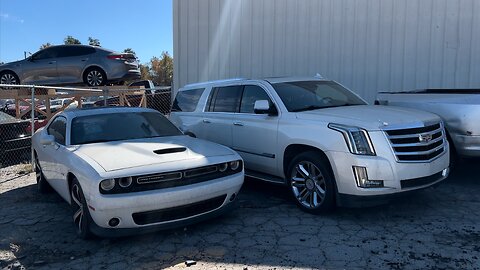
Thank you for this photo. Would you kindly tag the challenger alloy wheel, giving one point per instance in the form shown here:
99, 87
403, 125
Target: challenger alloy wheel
81, 216
42, 185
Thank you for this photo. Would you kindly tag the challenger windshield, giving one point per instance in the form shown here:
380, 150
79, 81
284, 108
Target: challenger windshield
311, 95
120, 126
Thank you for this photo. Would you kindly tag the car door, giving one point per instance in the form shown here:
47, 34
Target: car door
255, 135
219, 113
56, 156
71, 62
41, 67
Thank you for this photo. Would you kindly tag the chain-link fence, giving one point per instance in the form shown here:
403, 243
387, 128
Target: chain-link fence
26, 108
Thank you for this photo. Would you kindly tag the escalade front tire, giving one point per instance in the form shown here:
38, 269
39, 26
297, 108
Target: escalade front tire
311, 183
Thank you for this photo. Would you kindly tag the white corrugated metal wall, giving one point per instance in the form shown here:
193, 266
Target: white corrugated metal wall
368, 45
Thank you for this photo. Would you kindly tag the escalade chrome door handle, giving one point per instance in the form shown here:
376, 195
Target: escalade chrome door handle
240, 124
206, 121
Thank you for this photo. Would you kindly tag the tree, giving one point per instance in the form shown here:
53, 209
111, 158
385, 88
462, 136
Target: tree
45, 45
93, 41
130, 50
145, 72
162, 69
71, 40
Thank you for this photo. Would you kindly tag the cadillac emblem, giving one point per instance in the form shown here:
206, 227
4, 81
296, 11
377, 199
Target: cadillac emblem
425, 138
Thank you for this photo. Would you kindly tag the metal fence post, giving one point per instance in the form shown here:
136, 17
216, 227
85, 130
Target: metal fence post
32, 115
105, 92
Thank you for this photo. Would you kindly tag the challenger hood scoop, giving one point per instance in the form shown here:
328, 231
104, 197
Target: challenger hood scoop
170, 150
120, 155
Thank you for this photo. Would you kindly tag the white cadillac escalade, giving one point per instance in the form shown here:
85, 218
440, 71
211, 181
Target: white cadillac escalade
317, 137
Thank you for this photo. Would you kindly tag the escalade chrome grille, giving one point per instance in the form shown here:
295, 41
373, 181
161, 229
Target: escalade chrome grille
418, 144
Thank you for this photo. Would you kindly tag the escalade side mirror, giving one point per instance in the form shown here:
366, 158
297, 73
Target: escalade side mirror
263, 107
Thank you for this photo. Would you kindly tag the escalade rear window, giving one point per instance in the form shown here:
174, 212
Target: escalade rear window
186, 101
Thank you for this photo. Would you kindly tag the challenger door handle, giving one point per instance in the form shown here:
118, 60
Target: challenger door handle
52, 62
240, 124
83, 60
206, 121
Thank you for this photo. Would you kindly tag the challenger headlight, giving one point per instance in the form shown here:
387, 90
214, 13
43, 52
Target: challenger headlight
357, 139
107, 184
234, 165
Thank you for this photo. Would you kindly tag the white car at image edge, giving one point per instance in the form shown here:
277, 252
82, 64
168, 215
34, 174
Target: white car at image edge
129, 170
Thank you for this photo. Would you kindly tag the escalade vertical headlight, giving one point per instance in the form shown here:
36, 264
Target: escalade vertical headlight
357, 139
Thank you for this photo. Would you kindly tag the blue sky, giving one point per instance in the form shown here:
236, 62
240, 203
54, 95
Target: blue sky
145, 26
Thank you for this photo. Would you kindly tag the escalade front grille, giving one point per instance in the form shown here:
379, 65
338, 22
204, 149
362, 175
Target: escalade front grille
418, 144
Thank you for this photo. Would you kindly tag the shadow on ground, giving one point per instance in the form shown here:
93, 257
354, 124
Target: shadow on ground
435, 228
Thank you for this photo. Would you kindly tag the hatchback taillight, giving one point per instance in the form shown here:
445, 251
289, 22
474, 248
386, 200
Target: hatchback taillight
116, 56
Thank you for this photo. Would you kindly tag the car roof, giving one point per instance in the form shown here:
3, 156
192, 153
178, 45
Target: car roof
242, 80
71, 113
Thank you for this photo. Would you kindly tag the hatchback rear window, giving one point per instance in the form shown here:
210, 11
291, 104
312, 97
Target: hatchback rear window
186, 101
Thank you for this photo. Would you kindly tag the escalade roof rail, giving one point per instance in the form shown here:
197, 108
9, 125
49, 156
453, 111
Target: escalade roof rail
216, 81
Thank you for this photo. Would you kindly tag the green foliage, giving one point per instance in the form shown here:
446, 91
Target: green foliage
93, 41
45, 45
71, 40
162, 69
129, 50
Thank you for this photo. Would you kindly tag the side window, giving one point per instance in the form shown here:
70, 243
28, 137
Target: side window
225, 99
252, 93
58, 129
45, 54
186, 101
72, 50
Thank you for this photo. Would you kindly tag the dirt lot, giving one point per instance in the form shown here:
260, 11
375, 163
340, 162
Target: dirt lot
436, 228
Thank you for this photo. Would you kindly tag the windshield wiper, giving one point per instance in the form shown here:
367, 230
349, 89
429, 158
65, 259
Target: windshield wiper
309, 108
98, 141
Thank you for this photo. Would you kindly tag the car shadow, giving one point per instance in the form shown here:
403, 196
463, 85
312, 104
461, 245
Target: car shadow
265, 230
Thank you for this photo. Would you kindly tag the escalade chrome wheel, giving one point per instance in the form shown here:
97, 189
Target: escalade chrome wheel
311, 183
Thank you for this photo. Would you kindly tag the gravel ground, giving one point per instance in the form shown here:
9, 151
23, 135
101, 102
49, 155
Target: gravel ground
436, 228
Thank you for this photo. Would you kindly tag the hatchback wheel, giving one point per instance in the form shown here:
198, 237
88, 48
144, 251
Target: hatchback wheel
81, 216
95, 77
9, 77
311, 183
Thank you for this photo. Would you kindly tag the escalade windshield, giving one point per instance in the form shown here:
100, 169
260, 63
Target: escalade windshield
120, 126
311, 95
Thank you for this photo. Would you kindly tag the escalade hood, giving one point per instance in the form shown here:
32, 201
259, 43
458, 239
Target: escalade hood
370, 117
119, 155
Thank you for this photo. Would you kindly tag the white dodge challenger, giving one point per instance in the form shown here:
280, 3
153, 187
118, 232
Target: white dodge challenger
125, 170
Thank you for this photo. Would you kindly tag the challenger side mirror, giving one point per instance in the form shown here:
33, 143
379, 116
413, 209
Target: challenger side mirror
47, 139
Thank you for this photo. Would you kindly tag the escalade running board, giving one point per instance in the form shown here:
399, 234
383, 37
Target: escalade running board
264, 177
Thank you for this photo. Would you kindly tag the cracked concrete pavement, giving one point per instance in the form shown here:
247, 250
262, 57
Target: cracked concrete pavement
436, 228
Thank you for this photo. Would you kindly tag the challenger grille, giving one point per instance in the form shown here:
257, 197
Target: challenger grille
418, 144
173, 179
179, 212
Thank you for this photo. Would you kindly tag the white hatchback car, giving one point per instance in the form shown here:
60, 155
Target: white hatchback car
125, 170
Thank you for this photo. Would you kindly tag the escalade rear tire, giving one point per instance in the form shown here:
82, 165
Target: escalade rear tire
311, 183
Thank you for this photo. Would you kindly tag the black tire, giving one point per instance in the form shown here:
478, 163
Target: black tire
95, 77
9, 77
81, 214
454, 158
311, 183
42, 185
